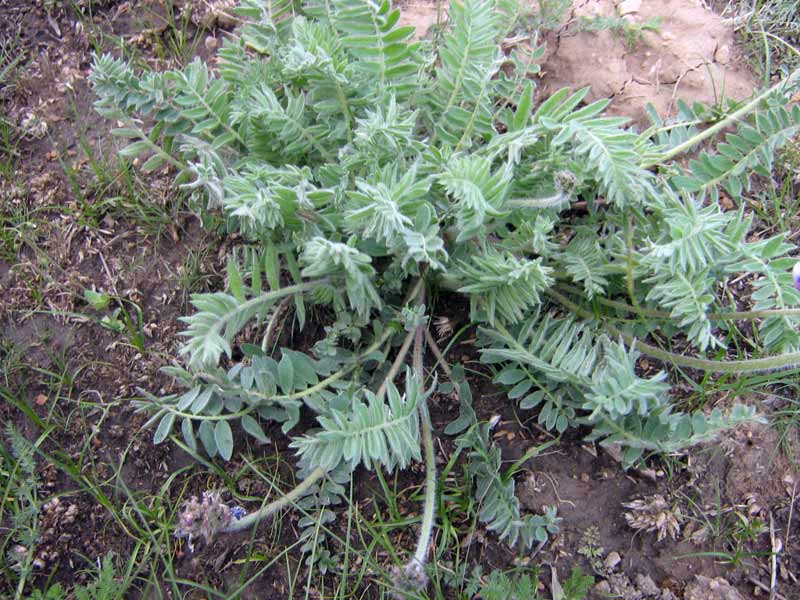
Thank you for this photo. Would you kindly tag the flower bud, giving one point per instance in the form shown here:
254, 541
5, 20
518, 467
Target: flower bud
796, 275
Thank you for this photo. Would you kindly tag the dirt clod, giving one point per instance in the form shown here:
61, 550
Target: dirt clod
642, 587
706, 588
690, 55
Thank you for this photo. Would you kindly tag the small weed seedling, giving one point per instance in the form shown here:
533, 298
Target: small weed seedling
104, 586
630, 32
11, 59
365, 171
126, 318
591, 549
20, 500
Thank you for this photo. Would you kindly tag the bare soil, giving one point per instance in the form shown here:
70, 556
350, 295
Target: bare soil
42, 331
690, 54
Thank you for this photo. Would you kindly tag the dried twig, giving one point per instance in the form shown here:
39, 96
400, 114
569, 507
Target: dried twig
776, 546
791, 514
277, 317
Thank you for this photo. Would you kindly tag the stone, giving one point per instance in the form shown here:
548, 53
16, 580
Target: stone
612, 560
627, 7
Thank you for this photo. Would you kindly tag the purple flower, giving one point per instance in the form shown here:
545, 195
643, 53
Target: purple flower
203, 518
796, 275
237, 512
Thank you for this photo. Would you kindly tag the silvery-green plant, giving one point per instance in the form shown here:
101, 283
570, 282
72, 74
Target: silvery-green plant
364, 170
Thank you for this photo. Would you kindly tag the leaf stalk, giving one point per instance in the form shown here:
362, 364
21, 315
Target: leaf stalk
734, 117
254, 518
752, 365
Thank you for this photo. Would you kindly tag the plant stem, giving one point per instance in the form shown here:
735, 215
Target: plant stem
272, 326
629, 262
273, 507
429, 510
201, 99
318, 473
155, 148
752, 365
726, 122
398, 362
261, 399
267, 297
660, 314
440, 360
539, 203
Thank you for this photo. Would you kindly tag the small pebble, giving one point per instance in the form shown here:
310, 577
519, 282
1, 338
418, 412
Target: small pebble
612, 560
211, 43
603, 588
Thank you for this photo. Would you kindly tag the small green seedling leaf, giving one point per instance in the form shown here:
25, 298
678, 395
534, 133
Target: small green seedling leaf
97, 300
